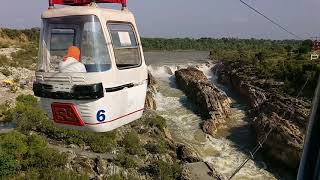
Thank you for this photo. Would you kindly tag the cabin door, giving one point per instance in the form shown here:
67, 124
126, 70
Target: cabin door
131, 71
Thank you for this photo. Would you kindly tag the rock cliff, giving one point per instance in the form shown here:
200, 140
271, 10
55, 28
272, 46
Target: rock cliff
285, 116
152, 89
213, 105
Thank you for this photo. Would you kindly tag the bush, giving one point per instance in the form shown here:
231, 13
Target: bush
158, 121
132, 143
8, 164
4, 108
126, 161
156, 148
21, 152
27, 100
25, 57
101, 142
164, 170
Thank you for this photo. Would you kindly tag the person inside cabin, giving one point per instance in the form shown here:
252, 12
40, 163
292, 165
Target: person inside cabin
71, 63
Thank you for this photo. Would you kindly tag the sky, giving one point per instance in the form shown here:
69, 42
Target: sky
195, 18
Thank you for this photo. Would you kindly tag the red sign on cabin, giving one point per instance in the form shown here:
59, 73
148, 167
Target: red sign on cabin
66, 113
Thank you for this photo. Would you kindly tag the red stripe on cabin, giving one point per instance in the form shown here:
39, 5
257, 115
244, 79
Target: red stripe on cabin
115, 118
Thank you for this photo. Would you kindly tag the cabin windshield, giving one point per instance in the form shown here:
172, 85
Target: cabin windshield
85, 32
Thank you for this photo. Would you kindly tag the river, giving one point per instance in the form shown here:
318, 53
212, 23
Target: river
229, 148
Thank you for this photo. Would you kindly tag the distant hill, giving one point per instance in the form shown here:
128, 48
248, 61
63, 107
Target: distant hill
10, 37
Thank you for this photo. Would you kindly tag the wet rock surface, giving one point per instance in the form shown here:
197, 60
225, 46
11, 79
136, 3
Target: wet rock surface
150, 102
186, 154
213, 104
200, 170
286, 117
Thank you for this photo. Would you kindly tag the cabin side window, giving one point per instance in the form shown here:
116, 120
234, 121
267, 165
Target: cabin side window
125, 45
84, 32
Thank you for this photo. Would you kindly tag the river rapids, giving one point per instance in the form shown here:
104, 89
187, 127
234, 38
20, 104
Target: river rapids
231, 146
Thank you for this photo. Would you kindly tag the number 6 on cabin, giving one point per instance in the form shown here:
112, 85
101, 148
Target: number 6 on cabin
101, 116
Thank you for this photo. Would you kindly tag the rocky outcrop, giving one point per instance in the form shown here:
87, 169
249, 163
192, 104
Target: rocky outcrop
152, 89
285, 117
14, 81
150, 102
213, 104
285, 142
186, 154
200, 170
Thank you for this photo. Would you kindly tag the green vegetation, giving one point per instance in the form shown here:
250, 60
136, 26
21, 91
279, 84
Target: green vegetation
287, 61
156, 148
29, 117
131, 142
292, 67
27, 100
31, 35
4, 108
166, 171
24, 153
126, 161
26, 57
28, 157
208, 44
158, 122
27, 40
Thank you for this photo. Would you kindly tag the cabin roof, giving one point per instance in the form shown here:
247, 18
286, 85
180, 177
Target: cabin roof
86, 10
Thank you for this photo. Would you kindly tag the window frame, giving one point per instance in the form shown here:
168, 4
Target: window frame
74, 37
78, 34
114, 48
51, 26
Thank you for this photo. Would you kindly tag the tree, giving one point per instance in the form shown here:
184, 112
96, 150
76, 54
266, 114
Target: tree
260, 56
305, 47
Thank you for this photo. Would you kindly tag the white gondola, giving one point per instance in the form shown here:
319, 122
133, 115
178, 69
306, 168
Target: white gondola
112, 91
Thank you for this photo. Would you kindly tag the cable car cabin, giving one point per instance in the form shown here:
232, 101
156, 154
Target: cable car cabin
111, 90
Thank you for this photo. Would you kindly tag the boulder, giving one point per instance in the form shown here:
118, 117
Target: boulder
186, 154
150, 102
200, 170
84, 165
213, 104
211, 126
101, 166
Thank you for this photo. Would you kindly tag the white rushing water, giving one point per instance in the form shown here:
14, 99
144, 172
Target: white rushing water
227, 150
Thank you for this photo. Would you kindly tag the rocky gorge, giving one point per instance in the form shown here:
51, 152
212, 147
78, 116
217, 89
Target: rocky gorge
280, 117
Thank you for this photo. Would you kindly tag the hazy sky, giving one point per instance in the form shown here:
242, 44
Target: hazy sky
195, 18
